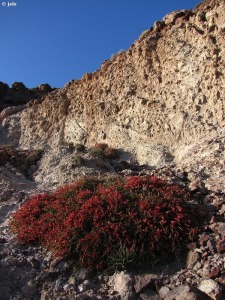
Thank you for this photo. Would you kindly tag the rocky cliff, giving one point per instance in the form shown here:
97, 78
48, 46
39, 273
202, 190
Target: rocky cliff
156, 101
166, 90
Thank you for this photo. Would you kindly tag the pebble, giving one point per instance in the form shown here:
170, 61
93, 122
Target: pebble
59, 284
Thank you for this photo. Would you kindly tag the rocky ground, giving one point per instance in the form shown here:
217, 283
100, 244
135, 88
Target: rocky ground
32, 273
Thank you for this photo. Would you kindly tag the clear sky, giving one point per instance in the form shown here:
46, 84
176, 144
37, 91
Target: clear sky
51, 41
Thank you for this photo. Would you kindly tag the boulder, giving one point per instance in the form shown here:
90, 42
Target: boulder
149, 294
144, 281
192, 259
185, 292
221, 245
19, 86
45, 87
221, 229
124, 285
164, 290
211, 288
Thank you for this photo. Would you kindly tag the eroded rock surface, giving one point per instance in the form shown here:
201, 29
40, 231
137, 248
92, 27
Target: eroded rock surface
166, 90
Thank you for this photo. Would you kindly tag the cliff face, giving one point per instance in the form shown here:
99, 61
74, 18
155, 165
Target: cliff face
163, 94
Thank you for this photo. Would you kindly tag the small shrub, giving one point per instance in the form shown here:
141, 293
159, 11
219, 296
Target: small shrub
104, 151
6, 151
110, 224
33, 156
5, 146
68, 145
3, 157
71, 146
80, 147
101, 146
96, 152
110, 153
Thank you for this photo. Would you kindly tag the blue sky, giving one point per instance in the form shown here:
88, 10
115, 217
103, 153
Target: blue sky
46, 41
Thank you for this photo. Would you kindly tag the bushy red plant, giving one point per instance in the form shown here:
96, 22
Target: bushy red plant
114, 223
26, 221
